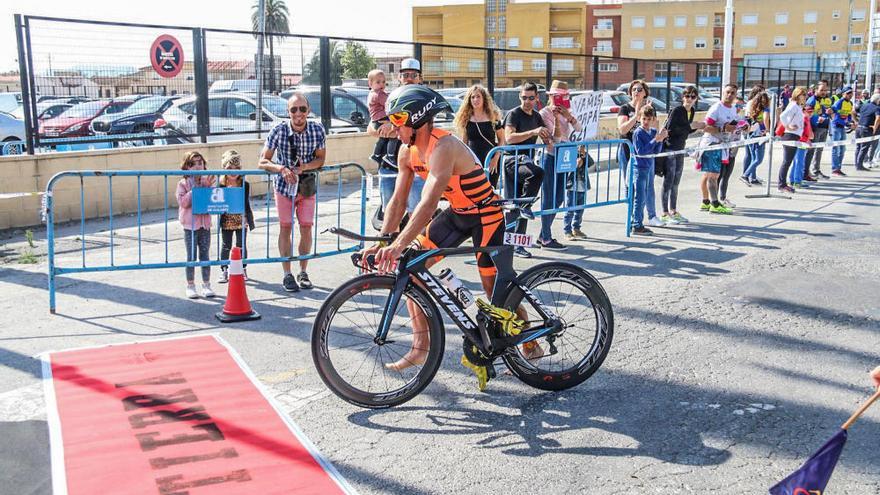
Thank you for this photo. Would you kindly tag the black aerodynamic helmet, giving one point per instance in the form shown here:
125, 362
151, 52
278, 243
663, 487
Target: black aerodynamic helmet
413, 105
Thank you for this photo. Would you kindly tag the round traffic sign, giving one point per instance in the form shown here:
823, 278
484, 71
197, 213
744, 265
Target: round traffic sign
166, 56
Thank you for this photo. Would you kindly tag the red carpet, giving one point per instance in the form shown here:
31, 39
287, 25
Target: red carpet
173, 417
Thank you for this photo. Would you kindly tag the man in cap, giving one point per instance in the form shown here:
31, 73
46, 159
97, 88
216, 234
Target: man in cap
843, 110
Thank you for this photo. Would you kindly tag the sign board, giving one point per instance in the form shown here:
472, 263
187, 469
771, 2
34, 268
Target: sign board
217, 200
566, 159
587, 108
166, 56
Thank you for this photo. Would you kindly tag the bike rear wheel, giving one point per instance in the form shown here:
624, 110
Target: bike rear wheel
349, 360
580, 301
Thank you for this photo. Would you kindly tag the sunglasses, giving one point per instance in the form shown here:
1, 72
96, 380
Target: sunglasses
527, 98
690, 96
409, 75
301, 109
399, 118
637, 90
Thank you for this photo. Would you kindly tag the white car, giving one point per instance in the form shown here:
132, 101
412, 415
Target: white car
11, 131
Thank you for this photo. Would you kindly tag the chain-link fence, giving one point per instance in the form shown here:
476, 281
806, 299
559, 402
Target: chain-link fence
102, 84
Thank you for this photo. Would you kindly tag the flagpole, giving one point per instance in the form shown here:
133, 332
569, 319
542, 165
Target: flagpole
861, 410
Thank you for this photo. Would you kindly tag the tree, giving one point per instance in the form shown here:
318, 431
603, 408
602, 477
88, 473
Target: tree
277, 21
312, 70
356, 61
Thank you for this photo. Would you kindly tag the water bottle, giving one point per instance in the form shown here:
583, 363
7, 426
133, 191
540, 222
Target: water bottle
453, 285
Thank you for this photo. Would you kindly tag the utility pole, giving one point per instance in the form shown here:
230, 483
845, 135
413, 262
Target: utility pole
848, 60
728, 43
869, 63
261, 37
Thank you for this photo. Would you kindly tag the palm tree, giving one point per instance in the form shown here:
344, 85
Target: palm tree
276, 22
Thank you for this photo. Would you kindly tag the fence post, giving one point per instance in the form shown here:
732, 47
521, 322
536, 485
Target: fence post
763, 79
779, 82
635, 69
809, 78
698, 76
548, 71
595, 73
200, 72
742, 88
326, 104
32, 85
25, 89
417, 53
668, 86
490, 71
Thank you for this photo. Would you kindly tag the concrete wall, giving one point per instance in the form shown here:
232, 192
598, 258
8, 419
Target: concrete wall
29, 174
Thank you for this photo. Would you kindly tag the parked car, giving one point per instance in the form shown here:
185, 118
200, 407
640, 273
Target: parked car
11, 130
45, 110
349, 113
9, 101
234, 86
137, 118
658, 90
76, 121
230, 115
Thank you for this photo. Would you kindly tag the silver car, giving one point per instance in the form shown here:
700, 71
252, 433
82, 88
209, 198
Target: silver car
11, 132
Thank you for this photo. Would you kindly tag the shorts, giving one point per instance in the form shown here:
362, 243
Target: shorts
304, 206
449, 229
711, 162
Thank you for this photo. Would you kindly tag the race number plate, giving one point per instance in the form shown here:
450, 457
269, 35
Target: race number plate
519, 240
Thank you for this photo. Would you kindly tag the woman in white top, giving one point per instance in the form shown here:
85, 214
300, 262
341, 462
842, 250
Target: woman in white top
792, 119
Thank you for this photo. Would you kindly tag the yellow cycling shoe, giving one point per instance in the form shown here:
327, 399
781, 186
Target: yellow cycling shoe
510, 322
481, 372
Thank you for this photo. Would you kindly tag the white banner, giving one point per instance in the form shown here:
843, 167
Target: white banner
586, 108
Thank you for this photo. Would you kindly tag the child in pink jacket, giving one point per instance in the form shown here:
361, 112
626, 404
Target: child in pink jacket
196, 228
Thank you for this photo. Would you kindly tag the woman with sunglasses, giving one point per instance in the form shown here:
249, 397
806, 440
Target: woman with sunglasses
628, 119
758, 116
680, 125
478, 123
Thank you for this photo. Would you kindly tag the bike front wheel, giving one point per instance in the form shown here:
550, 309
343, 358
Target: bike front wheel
351, 362
577, 298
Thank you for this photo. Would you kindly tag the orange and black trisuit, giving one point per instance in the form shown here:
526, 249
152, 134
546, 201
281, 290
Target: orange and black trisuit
469, 214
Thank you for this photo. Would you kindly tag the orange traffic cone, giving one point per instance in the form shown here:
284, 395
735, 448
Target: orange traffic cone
237, 307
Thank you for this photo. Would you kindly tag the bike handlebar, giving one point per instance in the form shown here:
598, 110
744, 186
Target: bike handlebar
357, 237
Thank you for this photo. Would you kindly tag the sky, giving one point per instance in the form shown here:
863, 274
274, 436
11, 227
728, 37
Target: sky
384, 19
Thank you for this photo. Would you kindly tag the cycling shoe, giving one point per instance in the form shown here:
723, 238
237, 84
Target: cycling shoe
481, 372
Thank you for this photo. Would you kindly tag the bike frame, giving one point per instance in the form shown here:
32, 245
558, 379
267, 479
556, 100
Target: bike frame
411, 268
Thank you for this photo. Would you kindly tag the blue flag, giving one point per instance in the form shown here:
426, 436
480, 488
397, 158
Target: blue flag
812, 477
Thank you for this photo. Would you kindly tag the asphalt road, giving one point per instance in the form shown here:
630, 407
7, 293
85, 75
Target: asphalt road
741, 344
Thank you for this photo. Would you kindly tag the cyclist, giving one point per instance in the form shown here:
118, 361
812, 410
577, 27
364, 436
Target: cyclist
452, 171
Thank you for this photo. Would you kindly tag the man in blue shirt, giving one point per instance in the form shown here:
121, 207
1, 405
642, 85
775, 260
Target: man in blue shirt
843, 109
869, 124
822, 113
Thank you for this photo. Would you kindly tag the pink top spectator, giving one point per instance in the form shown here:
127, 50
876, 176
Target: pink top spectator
565, 128
376, 102
184, 202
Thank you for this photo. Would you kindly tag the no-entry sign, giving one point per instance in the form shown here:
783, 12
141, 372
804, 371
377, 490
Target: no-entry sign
166, 56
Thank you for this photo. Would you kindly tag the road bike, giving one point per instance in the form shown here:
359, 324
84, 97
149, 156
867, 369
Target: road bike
366, 323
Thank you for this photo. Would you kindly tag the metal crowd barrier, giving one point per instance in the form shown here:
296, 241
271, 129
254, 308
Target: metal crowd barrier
141, 262
604, 190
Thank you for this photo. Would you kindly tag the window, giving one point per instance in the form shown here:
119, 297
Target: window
563, 65
513, 43
677, 69
681, 21
343, 107
835, 14
215, 107
514, 65
636, 44
719, 20
502, 24
539, 65
604, 46
750, 19
239, 109
835, 38
502, 5
537, 42
699, 43
502, 43
567, 42
856, 40
490, 6
491, 42
434, 66
450, 65
748, 42
811, 17
490, 25
716, 43
701, 20
659, 43
679, 43
605, 23
638, 22
710, 71
780, 41
475, 65
809, 41
782, 18
608, 67
659, 21
858, 15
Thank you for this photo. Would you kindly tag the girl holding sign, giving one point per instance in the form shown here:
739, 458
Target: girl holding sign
196, 228
232, 224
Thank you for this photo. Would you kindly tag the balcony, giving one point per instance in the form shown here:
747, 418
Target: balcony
602, 33
601, 51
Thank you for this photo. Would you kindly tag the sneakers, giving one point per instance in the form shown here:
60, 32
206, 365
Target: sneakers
655, 222
745, 180
838, 173
810, 178
526, 213
642, 231
720, 209
679, 218
728, 203
521, 252
669, 220
224, 277
579, 234
289, 283
786, 189
303, 280
569, 236
796, 185
704, 206
206, 290
191, 292
481, 372
821, 175
756, 182
552, 245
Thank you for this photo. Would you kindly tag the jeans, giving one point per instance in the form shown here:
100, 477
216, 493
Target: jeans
387, 179
864, 151
726, 172
572, 219
227, 244
837, 134
671, 179
552, 195
754, 157
522, 180
643, 196
814, 155
623, 160
788, 153
203, 245
798, 168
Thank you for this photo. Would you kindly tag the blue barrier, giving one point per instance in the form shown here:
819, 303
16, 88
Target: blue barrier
167, 262
620, 191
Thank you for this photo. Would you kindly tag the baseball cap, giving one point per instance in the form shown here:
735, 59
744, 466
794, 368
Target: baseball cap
410, 64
